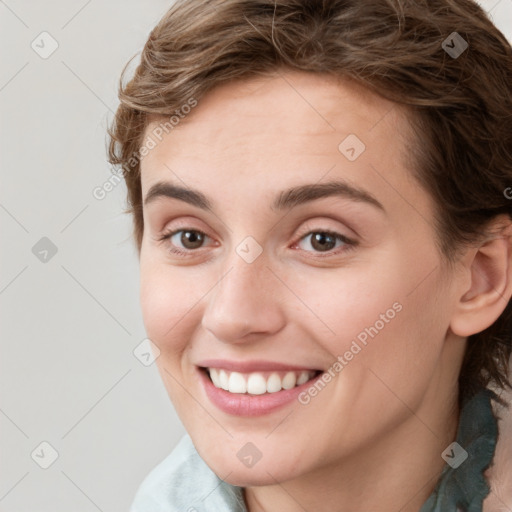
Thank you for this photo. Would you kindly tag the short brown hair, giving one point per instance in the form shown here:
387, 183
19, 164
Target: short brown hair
460, 105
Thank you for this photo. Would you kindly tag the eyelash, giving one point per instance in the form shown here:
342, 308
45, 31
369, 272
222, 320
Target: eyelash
349, 244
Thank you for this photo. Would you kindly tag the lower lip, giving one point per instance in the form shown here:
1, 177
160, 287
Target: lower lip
239, 404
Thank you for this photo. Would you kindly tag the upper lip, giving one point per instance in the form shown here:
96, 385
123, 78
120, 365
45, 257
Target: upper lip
251, 366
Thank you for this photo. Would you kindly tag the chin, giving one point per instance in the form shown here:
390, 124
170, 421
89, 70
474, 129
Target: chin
239, 469
260, 474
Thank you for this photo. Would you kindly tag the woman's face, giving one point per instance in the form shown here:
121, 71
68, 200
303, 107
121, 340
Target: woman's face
305, 251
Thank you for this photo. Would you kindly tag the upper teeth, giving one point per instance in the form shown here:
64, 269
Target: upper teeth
257, 383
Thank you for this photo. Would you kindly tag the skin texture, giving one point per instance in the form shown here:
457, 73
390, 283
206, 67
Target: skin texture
372, 438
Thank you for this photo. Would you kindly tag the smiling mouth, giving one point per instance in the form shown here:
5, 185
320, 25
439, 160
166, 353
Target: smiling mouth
258, 383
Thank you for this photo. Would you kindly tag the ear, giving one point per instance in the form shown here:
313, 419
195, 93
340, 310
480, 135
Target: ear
487, 281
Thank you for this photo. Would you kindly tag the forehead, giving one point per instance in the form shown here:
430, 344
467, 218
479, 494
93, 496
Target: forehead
296, 103
249, 137
297, 113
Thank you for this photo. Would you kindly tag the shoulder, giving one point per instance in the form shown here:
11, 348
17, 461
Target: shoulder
183, 482
499, 475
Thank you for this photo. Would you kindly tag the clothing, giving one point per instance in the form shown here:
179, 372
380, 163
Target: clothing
463, 488
183, 482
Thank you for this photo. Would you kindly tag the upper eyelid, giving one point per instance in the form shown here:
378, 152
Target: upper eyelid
303, 232
308, 226
348, 221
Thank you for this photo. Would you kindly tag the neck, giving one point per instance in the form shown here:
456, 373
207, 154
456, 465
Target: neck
398, 471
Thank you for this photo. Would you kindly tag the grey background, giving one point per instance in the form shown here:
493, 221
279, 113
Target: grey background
71, 322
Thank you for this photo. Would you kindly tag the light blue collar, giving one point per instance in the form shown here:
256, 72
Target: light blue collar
184, 483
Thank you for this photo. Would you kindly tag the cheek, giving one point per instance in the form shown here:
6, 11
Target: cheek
383, 318
352, 305
168, 304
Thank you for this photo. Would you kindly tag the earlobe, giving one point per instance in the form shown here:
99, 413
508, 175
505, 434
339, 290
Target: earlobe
490, 288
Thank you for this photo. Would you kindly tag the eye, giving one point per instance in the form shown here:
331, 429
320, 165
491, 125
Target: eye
324, 241
185, 241
189, 239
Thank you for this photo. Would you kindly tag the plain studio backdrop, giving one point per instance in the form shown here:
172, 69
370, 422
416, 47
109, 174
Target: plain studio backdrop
83, 416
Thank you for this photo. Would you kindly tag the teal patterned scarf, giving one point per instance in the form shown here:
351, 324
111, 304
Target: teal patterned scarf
462, 486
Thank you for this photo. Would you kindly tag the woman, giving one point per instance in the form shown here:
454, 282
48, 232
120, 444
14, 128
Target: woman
319, 195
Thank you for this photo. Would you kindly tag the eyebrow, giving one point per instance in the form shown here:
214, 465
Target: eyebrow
285, 199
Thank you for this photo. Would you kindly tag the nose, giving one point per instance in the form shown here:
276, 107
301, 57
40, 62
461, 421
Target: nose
245, 302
